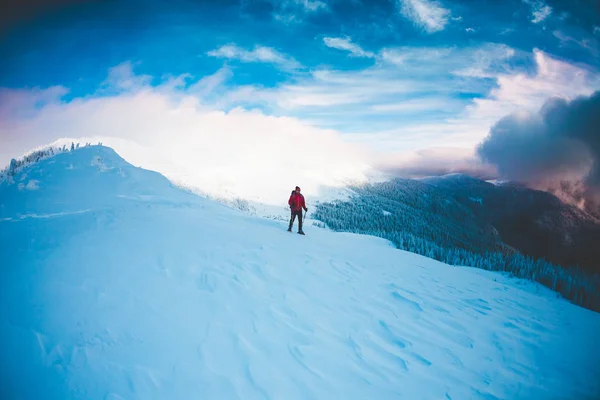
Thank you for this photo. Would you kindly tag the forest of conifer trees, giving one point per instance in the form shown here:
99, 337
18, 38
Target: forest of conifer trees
409, 215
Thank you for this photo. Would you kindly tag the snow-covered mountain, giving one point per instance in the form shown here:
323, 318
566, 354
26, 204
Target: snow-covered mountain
460, 220
115, 284
535, 222
247, 177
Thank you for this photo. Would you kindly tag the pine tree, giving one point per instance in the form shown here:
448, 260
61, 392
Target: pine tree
12, 167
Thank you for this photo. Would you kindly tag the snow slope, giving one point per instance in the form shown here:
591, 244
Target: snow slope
116, 285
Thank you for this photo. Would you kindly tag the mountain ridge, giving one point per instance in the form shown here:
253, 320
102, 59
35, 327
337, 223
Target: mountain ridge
558, 232
136, 289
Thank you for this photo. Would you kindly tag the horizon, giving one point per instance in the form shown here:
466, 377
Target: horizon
226, 95
446, 246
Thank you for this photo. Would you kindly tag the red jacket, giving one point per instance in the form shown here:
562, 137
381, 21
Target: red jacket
296, 202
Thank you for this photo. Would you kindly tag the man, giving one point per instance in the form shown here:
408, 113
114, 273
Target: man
296, 203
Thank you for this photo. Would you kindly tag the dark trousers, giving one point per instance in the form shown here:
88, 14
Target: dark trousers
293, 218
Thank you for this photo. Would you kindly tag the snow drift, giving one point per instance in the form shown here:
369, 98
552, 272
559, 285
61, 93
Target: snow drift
116, 285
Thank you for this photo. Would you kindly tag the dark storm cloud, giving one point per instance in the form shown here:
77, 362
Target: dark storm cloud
556, 149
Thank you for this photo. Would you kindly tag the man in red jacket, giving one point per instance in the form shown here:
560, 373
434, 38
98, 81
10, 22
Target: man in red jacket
296, 203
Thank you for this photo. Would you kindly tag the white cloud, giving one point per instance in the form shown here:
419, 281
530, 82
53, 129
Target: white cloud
387, 109
401, 73
391, 102
466, 126
287, 19
208, 84
484, 62
589, 44
527, 92
370, 99
539, 10
237, 153
470, 30
597, 30
435, 161
121, 77
426, 14
258, 54
21, 102
293, 11
541, 14
412, 105
410, 55
335, 88
310, 5
347, 45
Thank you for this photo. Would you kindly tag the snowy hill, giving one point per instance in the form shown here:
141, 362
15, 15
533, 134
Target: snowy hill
114, 284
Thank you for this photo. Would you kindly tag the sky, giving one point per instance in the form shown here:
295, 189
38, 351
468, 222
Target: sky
223, 94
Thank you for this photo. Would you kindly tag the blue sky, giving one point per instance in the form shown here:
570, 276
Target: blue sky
74, 44
413, 80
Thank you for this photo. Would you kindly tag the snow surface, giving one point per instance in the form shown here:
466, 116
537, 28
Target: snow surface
116, 285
